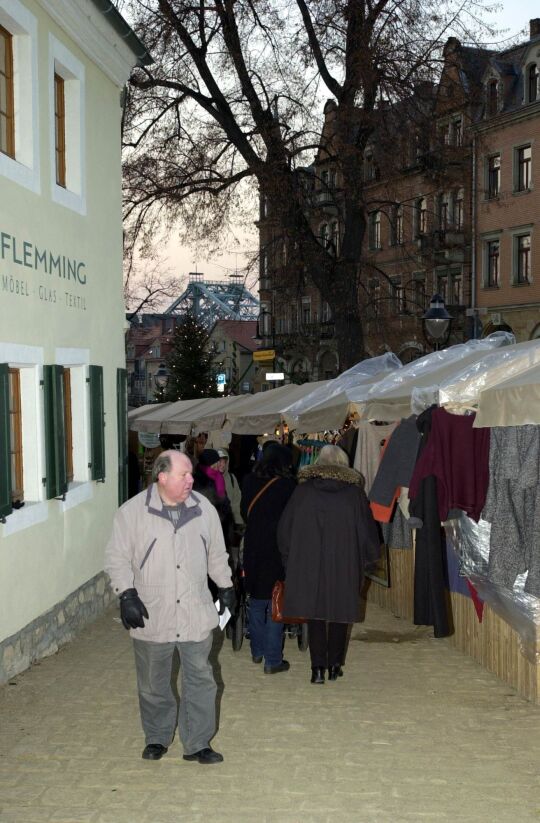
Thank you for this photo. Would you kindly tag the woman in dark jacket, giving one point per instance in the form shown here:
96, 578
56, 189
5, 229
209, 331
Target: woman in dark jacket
327, 537
265, 493
208, 481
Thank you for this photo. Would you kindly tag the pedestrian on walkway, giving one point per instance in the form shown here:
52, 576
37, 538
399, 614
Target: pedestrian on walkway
209, 481
327, 537
234, 493
164, 544
265, 493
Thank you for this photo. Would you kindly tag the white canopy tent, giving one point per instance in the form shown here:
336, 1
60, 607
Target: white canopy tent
262, 412
464, 389
141, 411
329, 405
179, 414
514, 402
419, 381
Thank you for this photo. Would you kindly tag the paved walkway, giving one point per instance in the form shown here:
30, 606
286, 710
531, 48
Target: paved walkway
414, 731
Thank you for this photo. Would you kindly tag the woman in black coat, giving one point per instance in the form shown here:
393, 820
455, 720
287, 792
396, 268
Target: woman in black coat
327, 537
265, 493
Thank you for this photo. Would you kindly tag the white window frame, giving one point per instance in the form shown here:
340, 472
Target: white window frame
81, 488
515, 170
63, 63
29, 362
486, 240
24, 169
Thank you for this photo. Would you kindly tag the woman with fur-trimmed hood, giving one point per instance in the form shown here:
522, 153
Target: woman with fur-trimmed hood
327, 537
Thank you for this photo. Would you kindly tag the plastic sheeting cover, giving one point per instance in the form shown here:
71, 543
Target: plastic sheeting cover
464, 389
520, 610
390, 398
515, 402
372, 367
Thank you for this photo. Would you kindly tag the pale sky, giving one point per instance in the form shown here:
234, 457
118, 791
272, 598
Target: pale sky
513, 15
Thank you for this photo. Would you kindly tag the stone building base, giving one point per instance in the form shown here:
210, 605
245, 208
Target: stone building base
52, 630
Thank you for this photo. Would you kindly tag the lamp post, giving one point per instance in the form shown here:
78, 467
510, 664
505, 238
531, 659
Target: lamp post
161, 378
436, 322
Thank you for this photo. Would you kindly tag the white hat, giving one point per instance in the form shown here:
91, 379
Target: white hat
223, 453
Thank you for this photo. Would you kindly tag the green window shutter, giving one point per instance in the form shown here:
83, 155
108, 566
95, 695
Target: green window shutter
55, 435
121, 416
97, 423
5, 444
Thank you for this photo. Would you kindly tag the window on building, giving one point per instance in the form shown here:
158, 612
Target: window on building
369, 166
492, 277
15, 427
398, 294
396, 226
68, 425
306, 311
492, 98
421, 216
67, 113
459, 209
522, 255
326, 314
443, 135
456, 297
456, 132
60, 130
375, 230
332, 178
442, 286
494, 176
523, 167
532, 83
444, 211
334, 237
7, 109
324, 234
324, 180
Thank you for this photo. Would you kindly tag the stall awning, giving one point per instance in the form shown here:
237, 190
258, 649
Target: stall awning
417, 385
328, 406
514, 402
261, 413
178, 414
141, 411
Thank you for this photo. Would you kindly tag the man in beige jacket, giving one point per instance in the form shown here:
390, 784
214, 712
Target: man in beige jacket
165, 541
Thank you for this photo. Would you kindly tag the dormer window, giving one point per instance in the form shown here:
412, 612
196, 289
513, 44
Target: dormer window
492, 98
532, 83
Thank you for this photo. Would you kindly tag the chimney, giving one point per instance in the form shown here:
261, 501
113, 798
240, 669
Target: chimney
534, 27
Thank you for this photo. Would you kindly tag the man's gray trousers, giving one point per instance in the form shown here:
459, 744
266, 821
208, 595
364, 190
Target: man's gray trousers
157, 702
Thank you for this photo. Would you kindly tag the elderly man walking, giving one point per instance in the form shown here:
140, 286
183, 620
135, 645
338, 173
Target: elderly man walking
164, 543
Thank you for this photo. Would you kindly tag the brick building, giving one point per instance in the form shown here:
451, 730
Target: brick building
448, 191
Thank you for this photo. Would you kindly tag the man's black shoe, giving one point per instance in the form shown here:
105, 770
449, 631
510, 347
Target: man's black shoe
284, 666
317, 674
154, 751
205, 756
256, 658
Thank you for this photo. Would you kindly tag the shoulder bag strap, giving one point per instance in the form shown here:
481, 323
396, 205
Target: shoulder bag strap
261, 491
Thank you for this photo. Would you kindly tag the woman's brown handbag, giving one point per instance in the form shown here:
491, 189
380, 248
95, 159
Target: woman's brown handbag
278, 595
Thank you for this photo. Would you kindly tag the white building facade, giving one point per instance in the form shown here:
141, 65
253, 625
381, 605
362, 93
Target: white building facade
63, 67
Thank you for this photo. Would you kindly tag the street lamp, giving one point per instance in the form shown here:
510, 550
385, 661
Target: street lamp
161, 378
436, 323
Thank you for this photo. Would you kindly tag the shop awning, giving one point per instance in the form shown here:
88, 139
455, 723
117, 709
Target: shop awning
260, 413
328, 406
514, 402
178, 415
141, 411
417, 385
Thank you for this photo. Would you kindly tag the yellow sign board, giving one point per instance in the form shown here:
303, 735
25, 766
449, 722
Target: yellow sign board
264, 355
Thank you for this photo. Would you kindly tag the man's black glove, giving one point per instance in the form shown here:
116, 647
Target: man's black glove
227, 600
132, 610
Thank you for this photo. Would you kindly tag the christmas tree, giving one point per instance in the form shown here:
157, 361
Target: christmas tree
191, 371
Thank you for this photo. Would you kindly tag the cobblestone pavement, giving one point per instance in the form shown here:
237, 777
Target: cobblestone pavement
414, 731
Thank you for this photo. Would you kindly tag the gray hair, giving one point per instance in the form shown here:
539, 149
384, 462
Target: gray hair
162, 463
332, 456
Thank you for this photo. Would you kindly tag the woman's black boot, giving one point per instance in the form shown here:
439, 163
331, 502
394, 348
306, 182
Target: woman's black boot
317, 674
334, 672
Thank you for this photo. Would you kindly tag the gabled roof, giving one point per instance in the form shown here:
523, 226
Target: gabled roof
239, 331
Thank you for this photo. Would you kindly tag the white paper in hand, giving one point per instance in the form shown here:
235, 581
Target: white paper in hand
223, 618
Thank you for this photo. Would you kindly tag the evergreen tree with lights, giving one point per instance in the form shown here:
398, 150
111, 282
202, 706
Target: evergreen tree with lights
191, 370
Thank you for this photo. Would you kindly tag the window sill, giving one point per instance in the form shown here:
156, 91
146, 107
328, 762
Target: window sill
517, 285
76, 494
520, 192
491, 288
69, 199
29, 515
17, 172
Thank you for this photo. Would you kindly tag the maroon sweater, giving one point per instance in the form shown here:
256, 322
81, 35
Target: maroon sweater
458, 456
